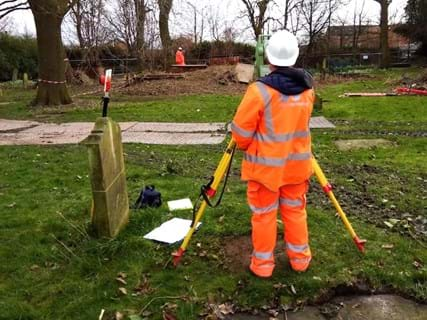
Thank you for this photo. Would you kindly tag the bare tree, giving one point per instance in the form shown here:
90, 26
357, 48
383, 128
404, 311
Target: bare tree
214, 21
165, 7
48, 17
287, 16
129, 23
359, 15
385, 60
88, 18
316, 16
5, 24
9, 6
256, 13
289, 7
122, 21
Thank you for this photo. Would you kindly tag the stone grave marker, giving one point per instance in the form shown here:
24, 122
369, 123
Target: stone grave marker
15, 75
25, 80
110, 207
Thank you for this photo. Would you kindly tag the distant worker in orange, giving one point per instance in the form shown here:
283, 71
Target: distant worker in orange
179, 57
272, 127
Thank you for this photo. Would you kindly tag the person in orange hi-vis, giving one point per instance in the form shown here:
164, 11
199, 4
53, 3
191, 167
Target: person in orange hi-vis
179, 57
272, 126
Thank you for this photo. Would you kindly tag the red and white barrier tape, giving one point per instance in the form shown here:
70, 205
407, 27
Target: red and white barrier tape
51, 82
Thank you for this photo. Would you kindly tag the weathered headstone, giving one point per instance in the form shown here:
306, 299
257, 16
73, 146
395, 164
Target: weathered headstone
15, 75
110, 209
25, 80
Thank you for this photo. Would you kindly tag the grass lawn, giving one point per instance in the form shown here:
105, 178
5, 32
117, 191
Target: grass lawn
53, 269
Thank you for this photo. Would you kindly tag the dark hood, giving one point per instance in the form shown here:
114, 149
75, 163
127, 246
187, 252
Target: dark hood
289, 81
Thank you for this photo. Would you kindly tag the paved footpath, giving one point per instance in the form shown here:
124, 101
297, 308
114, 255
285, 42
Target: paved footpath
17, 132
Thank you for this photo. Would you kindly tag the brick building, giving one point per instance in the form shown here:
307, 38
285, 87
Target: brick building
364, 37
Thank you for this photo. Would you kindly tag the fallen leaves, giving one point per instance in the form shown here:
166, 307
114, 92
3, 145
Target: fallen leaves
417, 264
121, 281
123, 291
388, 246
12, 205
293, 289
218, 312
143, 287
34, 267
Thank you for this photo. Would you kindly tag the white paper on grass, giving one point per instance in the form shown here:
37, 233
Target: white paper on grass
181, 204
171, 231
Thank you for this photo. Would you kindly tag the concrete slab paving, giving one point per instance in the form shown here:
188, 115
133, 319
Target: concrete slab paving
172, 138
321, 123
9, 125
14, 132
177, 127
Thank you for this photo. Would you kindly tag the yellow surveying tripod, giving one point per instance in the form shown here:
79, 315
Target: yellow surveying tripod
209, 191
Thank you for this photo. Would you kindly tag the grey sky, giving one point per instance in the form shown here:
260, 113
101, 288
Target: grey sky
228, 10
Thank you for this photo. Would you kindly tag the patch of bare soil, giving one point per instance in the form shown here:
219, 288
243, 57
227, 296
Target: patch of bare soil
415, 82
238, 250
359, 198
212, 80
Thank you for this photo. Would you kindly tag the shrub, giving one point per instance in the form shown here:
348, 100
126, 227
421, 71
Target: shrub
17, 52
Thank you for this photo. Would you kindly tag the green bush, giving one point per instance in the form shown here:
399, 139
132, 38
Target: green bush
17, 52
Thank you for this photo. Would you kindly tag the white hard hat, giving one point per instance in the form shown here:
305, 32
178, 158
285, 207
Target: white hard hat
282, 49
179, 48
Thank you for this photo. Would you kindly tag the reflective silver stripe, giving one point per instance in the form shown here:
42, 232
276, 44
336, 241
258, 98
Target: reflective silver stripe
300, 156
268, 113
262, 255
290, 202
297, 248
257, 210
276, 162
281, 137
241, 132
301, 260
266, 266
297, 97
267, 161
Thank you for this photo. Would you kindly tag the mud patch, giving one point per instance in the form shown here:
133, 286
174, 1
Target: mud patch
378, 307
207, 81
237, 252
366, 194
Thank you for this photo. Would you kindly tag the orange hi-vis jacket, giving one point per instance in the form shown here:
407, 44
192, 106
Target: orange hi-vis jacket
179, 58
273, 129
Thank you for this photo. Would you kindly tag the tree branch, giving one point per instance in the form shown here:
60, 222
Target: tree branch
20, 6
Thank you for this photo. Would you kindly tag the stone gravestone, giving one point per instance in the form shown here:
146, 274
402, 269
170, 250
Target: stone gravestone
110, 207
15, 75
25, 80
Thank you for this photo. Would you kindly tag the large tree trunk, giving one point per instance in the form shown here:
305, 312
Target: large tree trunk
165, 7
385, 52
52, 88
141, 13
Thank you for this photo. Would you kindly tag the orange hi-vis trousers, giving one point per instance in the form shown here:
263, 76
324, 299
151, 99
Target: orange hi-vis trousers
264, 204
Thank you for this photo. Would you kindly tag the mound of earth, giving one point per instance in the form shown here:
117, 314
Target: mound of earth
212, 80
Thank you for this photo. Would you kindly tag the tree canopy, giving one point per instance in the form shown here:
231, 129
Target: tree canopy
416, 23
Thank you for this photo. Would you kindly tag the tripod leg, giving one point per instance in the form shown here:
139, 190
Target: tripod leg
327, 188
217, 177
